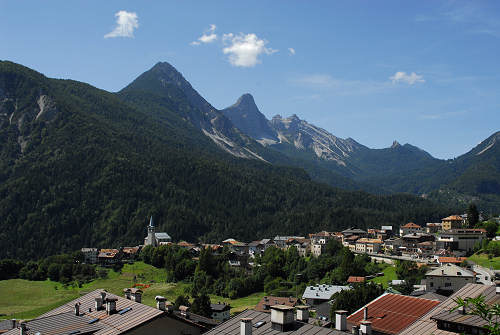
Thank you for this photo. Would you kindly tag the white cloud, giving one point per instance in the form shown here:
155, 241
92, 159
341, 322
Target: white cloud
208, 36
410, 79
292, 51
244, 49
126, 22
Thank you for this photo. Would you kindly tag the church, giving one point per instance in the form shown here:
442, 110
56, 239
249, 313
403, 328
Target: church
154, 239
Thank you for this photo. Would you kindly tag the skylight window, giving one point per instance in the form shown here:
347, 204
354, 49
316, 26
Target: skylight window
125, 310
259, 324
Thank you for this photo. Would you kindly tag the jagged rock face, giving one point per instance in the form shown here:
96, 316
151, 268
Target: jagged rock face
200, 113
245, 115
306, 136
10, 114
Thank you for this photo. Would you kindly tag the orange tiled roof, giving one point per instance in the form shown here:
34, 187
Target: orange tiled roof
411, 225
369, 240
453, 218
354, 279
455, 260
392, 313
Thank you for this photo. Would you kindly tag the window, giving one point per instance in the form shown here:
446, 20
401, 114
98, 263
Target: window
447, 284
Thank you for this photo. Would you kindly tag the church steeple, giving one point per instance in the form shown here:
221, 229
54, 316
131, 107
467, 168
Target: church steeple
151, 239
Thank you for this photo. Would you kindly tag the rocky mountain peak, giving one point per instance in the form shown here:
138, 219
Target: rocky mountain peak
395, 145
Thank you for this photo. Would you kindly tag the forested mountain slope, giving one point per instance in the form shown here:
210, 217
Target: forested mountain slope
82, 167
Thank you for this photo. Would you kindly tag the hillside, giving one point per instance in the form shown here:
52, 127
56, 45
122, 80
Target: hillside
472, 177
82, 167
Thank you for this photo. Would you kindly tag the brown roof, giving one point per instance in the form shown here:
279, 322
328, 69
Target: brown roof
392, 313
369, 240
353, 279
185, 244
130, 250
453, 218
271, 301
232, 326
411, 225
109, 324
455, 260
425, 325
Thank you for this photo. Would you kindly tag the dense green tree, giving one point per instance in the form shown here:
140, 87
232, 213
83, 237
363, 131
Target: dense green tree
9, 268
472, 216
358, 296
201, 304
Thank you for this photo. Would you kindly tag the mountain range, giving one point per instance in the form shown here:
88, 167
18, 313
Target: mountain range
80, 166
473, 176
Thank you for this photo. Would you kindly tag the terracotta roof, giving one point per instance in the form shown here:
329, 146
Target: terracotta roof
185, 244
130, 250
411, 225
369, 240
392, 313
353, 279
456, 260
453, 218
425, 325
271, 301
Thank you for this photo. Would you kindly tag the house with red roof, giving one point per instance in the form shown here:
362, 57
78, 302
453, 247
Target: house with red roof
410, 228
391, 313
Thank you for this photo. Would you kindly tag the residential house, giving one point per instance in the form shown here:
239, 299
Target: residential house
303, 246
281, 320
355, 280
131, 253
108, 257
451, 260
280, 241
448, 278
102, 313
315, 295
411, 242
264, 305
452, 222
442, 321
432, 228
460, 239
391, 313
391, 245
368, 245
220, 311
319, 241
90, 255
410, 228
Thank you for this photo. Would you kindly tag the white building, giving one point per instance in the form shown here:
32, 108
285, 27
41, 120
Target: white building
448, 277
410, 228
154, 239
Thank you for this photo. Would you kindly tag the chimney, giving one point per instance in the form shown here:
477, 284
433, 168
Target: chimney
103, 295
127, 293
98, 303
111, 305
461, 310
77, 309
169, 307
303, 313
341, 320
136, 295
365, 328
246, 326
282, 318
23, 330
13, 323
355, 330
365, 313
160, 303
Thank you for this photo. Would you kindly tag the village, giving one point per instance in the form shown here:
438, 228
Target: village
442, 247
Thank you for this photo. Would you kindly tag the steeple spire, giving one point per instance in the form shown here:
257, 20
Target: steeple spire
151, 222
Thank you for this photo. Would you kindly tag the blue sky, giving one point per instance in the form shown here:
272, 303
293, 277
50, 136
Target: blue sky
420, 72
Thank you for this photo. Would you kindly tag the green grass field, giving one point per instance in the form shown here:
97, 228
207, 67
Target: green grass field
23, 299
482, 259
389, 274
